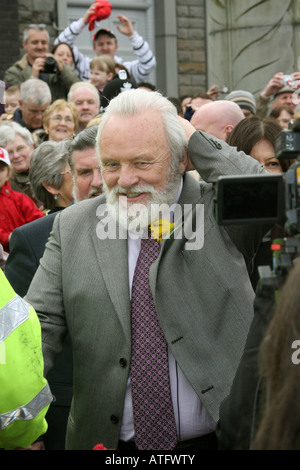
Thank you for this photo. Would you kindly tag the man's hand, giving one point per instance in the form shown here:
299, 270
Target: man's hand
126, 26
274, 85
37, 67
189, 130
88, 12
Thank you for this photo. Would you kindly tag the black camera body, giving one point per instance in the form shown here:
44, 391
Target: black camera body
268, 199
50, 65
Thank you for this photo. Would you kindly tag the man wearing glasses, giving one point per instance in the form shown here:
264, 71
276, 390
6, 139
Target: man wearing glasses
39, 63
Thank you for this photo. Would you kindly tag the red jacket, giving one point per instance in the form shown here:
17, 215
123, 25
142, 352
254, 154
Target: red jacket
15, 209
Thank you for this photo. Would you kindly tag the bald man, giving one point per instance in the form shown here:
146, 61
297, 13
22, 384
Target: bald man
217, 118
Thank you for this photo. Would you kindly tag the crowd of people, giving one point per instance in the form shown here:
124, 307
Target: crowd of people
154, 331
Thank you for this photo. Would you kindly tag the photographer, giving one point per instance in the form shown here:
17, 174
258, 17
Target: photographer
278, 91
39, 63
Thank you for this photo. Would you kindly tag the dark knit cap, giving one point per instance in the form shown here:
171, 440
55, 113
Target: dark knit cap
244, 99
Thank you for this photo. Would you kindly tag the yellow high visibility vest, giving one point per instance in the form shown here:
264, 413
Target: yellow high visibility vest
25, 395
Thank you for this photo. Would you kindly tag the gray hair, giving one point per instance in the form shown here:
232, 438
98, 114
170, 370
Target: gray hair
47, 162
10, 129
85, 139
35, 90
87, 85
36, 27
137, 101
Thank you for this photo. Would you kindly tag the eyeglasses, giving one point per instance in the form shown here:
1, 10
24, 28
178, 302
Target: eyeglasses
65, 172
37, 26
58, 118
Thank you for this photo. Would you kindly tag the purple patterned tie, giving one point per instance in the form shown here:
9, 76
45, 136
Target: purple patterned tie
154, 422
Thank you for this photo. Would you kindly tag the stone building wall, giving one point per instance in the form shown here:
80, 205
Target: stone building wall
191, 45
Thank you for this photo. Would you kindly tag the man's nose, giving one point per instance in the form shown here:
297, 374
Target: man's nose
127, 177
97, 179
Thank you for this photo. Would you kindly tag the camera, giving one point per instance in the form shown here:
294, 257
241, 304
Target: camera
272, 199
50, 65
222, 90
288, 80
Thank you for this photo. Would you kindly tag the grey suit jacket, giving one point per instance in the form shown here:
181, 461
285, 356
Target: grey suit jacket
203, 297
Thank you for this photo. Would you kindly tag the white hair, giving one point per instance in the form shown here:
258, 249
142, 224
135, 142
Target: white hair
138, 101
9, 130
35, 90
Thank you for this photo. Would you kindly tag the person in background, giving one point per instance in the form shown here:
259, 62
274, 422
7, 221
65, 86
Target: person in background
86, 99
278, 91
18, 142
40, 64
105, 42
60, 121
196, 102
11, 102
50, 175
35, 97
185, 100
64, 52
245, 100
284, 115
15, 208
102, 71
256, 137
146, 86
217, 118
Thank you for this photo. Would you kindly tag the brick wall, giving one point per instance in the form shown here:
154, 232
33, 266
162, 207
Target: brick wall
191, 46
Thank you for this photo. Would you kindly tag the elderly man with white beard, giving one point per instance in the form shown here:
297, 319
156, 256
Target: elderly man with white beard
157, 326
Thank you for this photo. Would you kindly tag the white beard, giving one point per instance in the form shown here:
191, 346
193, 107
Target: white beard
135, 217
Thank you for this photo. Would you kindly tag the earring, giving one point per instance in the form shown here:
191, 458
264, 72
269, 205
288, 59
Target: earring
56, 197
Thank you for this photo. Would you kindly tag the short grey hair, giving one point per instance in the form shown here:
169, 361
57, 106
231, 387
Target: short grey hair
35, 27
35, 90
10, 130
86, 85
84, 140
138, 101
47, 162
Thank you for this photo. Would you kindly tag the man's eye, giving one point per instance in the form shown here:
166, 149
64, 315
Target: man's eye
143, 164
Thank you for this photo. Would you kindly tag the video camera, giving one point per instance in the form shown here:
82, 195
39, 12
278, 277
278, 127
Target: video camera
272, 199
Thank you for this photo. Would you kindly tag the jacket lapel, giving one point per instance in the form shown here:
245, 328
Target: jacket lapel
112, 258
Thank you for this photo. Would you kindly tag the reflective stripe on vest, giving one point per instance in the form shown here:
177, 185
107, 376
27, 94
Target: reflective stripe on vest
28, 411
13, 314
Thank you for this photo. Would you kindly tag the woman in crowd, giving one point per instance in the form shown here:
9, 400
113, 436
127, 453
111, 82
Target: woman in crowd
18, 142
64, 52
257, 136
50, 175
59, 122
